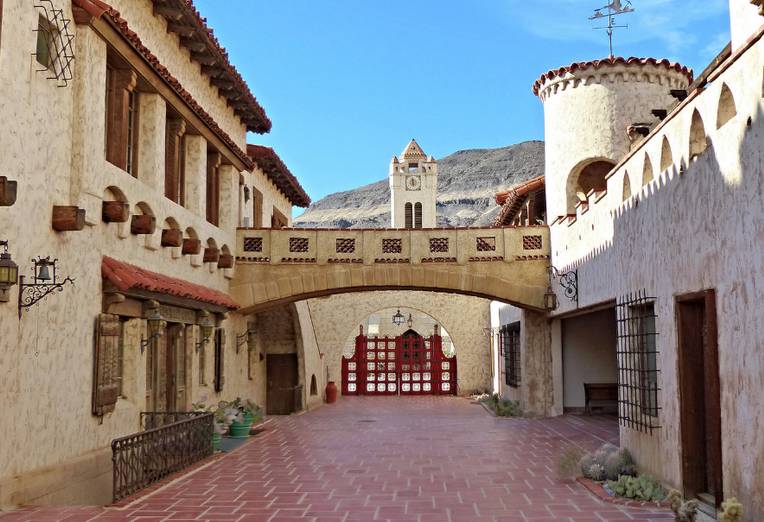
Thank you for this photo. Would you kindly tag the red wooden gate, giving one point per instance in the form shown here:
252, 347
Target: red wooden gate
405, 365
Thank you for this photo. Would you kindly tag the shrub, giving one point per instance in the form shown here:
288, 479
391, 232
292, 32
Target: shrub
643, 487
611, 462
684, 510
567, 466
503, 407
732, 511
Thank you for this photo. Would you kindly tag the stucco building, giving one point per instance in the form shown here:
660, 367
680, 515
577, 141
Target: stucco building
125, 159
653, 194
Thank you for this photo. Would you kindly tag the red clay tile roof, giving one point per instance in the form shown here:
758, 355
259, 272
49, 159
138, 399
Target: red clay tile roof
97, 9
596, 64
511, 200
127, 277
267, 159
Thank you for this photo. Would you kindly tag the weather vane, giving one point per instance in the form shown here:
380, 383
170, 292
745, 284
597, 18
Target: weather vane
610, 11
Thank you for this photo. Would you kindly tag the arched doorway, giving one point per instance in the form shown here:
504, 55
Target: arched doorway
407, 364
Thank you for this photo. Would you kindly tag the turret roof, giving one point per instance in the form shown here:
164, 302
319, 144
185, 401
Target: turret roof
413, 152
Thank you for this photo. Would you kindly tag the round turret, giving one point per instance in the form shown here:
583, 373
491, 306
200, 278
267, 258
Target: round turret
588, 108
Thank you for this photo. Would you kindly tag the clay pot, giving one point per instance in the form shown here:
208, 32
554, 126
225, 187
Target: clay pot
331, 392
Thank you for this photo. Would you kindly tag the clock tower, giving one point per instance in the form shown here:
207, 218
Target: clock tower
413, 188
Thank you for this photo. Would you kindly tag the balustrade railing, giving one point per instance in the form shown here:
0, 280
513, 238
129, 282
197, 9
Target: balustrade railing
172, 442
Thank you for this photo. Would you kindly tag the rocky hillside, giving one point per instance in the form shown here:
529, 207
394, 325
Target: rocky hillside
467, 182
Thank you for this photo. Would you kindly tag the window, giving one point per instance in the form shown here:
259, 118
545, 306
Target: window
409, 216
257, 208
219, 359
202, 365
107, 365
121, 127
637, 357
132, 134
278, 220
313, 386
213, 186
509, 337
45, 50
418, 215
174, 178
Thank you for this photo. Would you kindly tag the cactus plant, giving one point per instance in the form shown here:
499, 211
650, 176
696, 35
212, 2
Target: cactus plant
684, 510
732, 511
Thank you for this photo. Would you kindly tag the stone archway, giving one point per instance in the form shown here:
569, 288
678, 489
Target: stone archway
337, 318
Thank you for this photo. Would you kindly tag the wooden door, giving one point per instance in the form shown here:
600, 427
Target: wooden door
282, 383
175, 351
699, 395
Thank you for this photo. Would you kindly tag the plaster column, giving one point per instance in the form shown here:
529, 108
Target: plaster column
536, 356
151, 154
134, 364
557, 382
229, 197
88, 132
196, 174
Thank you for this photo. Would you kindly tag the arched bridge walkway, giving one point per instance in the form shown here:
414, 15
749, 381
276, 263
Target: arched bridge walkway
281, 266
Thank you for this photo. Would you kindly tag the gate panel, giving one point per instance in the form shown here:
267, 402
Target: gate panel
407, 365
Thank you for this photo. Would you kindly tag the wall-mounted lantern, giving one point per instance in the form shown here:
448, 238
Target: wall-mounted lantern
207, 327
156, 325
410, 321
569, 284
44, 283
9, 273
398, 318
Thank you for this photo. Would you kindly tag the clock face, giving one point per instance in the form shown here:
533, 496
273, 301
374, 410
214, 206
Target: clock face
413, 183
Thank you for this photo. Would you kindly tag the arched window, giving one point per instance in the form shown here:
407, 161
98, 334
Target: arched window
698, 138
647, 171
313, 385
418, 215
587, 176
626, 187
409, 216
727, 109
667, 158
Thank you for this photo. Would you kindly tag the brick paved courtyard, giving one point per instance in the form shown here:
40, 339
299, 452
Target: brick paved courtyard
398, 459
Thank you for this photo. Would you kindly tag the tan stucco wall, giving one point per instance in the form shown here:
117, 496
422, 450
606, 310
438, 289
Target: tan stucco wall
338, 317
695, 226
53, 146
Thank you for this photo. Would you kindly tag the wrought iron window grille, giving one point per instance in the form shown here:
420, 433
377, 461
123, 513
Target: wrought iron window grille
510, 345
58, 41
637, 358
43, 284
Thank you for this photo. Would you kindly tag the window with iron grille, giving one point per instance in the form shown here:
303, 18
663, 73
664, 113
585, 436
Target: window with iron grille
509, 336
637, 355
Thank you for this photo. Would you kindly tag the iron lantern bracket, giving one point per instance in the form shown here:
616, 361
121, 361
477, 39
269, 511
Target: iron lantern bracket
568, 282
201, 343
32, 293
146, 342
243, 339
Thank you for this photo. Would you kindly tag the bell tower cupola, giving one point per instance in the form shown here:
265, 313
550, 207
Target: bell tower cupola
413, 188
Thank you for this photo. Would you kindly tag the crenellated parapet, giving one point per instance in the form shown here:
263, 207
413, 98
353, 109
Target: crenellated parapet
672, 75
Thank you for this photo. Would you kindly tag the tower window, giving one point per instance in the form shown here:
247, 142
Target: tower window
418, 215
413, 167
409, 216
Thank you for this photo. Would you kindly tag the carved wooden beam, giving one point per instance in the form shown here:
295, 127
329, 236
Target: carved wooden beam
212, 71
193, 44
115, 211
143, 224
68, 218
8, 190
225, 261
169, 12
191, 246
185, 31
224, 85
211, 255
172, 237
204, 58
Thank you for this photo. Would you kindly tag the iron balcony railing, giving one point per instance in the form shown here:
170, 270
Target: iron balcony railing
172, 442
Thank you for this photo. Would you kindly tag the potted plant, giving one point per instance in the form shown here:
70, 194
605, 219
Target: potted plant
244, 414
220, 421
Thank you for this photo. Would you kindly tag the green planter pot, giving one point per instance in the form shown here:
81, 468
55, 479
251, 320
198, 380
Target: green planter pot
240, 430
216, 440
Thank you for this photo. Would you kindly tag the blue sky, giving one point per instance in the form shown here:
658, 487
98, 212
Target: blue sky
348, 82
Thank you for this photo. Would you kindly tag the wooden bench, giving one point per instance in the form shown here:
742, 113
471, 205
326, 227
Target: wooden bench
600, 391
